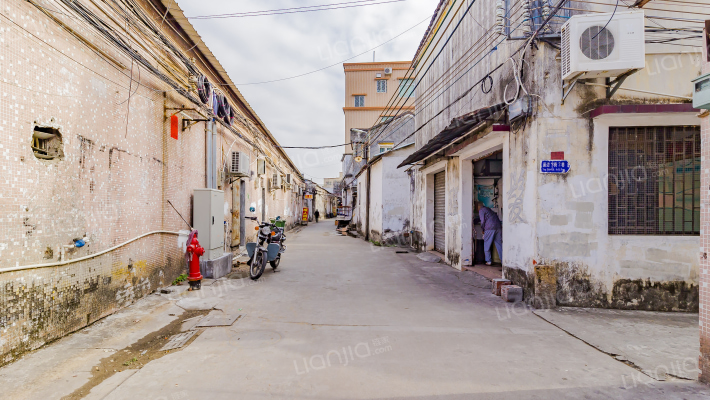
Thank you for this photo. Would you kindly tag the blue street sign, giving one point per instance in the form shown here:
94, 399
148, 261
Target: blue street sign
554, 167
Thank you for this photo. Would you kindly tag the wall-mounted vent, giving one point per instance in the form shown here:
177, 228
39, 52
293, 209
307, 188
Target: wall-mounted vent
47, 143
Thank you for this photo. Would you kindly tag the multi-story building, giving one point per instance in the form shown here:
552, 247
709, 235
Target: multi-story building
375, 92
330, 184
369, 89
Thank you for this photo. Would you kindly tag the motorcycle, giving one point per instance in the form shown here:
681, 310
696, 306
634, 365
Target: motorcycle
268, 248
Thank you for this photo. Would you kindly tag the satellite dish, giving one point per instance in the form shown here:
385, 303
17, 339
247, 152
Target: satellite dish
358, 159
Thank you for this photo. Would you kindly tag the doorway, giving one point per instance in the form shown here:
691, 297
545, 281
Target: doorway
439, 212
487, 190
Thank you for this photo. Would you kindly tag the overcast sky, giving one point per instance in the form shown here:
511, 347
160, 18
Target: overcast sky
305, 111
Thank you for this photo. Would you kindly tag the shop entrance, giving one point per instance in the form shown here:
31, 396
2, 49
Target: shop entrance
487, 191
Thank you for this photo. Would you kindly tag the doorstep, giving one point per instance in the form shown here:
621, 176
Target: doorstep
489, 271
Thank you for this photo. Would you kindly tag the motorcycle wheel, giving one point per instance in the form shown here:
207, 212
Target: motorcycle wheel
257, 266
275, 263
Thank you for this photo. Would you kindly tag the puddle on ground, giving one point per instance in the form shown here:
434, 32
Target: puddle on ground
137, 355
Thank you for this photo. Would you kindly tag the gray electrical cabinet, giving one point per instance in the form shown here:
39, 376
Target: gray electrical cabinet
208, 219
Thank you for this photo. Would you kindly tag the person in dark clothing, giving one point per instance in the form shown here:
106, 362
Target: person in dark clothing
492, 231
316, 214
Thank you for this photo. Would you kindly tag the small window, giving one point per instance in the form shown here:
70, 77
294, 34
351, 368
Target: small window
406, 88
385, 147
47, 143
359, 101
381, 86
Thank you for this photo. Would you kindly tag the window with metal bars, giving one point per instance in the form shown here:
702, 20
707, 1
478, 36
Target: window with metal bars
654, 180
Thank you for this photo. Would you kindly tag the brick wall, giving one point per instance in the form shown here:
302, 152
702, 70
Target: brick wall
120, 167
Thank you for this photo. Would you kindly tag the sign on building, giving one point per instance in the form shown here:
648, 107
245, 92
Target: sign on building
554, 166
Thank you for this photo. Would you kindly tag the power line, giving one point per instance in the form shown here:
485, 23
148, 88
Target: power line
297, 10
410, 76
458, 24
524, 46
314, 147
332, 65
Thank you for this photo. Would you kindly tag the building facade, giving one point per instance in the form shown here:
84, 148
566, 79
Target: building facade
100, 141
704, 115
621, 228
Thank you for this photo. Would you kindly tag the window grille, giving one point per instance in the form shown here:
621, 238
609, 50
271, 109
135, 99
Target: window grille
381, 86
359, 101
654, 180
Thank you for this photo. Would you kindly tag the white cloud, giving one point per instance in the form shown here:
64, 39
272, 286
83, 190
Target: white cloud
305, 111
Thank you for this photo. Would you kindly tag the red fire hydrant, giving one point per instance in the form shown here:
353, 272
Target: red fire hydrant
194, 250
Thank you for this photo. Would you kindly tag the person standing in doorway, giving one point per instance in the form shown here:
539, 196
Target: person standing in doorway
316, 214
492, 231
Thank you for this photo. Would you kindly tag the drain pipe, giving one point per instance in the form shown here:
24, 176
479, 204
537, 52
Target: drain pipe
213, 171
208, 154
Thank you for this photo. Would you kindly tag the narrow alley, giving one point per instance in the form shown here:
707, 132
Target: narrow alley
341, 319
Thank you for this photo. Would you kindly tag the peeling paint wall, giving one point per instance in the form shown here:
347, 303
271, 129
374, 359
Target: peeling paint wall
120, 166
559, 220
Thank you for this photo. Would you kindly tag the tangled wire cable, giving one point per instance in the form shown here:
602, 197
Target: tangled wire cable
483, 84
204, 89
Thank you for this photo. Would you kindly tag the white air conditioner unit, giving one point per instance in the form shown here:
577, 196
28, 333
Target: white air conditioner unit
239, 164
388, 71
595, 51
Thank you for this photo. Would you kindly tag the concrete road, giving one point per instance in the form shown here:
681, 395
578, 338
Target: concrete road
346, 320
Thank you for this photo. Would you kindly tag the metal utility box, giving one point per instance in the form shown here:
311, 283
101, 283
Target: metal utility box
208, 219
701, 92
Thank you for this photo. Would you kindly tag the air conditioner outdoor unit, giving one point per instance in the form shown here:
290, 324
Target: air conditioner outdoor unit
595, 51
240, 164
388, 71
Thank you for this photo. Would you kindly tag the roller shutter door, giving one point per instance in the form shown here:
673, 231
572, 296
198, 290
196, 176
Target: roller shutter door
439, 213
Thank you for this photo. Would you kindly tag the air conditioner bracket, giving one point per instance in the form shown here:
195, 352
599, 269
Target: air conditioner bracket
614, 85
568, 86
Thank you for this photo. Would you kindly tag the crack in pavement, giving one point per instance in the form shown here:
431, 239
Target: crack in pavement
616, 357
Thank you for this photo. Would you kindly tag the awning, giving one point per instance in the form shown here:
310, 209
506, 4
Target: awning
458, 127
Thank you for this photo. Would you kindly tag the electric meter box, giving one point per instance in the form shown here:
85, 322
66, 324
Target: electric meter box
208, 219
701, 92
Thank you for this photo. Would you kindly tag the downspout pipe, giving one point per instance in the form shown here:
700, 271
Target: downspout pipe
208, 154
213, 166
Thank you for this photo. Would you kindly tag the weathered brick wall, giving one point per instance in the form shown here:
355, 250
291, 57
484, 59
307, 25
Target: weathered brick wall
704, 363
120, 167
43, 304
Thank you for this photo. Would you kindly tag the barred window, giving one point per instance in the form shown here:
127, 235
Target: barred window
359, 101
654, 180
381, 86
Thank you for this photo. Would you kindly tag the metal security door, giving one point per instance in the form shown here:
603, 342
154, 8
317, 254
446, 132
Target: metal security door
439, 213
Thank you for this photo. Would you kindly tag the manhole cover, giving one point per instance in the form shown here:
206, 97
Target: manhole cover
219, 320
177, 341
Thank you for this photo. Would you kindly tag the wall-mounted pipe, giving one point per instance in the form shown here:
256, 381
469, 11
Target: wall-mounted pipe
213, 171
208, 154
60, 263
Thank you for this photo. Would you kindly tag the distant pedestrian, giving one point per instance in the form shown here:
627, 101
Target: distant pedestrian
492, 231
316, 214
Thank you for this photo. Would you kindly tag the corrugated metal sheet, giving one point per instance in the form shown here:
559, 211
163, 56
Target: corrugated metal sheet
458, 128
439, 211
